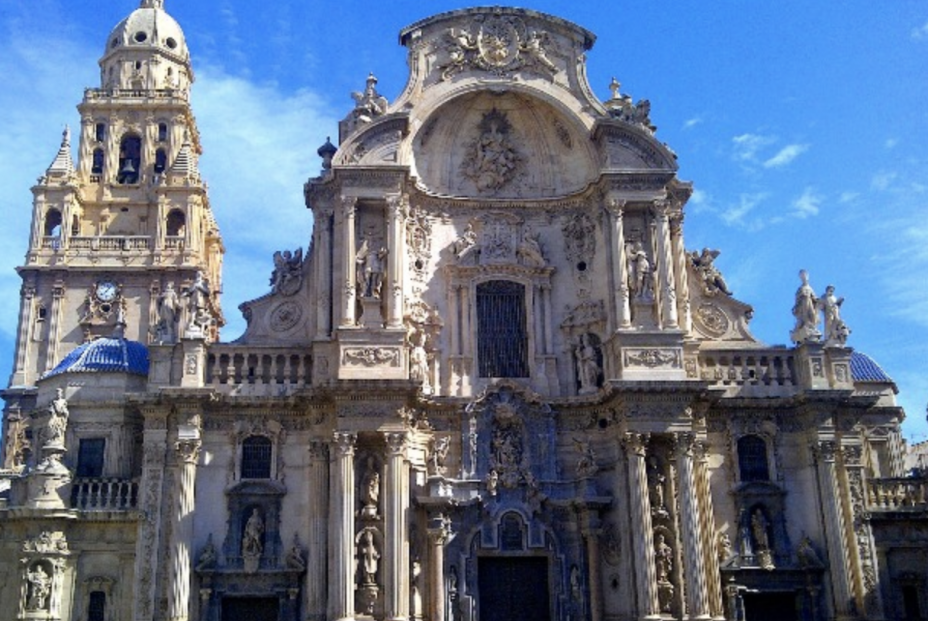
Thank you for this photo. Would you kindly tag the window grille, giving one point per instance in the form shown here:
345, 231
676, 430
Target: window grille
502, 342
90, 455
96, 609
752, 459
256, 458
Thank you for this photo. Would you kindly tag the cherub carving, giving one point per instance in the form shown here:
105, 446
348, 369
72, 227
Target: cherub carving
287, 275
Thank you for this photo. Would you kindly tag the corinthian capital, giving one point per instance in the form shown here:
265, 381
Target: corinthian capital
396, 442
344, 443
636, 443
188, 451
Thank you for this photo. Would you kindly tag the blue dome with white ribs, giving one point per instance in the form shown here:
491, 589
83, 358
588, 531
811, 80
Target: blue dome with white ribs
865, 369
105, 355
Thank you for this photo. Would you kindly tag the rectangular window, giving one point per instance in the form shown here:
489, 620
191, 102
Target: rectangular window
90, 457
502, 339
96, 609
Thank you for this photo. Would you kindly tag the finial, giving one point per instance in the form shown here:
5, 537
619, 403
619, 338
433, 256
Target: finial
326, 152
152, 4
66, 136
614, 86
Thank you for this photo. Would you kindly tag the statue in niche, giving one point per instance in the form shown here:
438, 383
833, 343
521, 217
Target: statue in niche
251, 539
207, 558
419, 360
416, 593
370, 489
491, 160
493, 483
663, 558
370, 269
710, 277
168, 315
39, 588
588, 370
440, 448
639, 271
452, 593
575, 589
760, 540
198, 303
287, 276
465, 246
530, 251
836, 331
58, 416
805, 311
369, 558
656, 481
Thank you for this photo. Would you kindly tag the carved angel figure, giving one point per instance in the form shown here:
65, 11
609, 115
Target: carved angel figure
287, 272
532, 47
709, 275
370, 103
530, 251
440, 449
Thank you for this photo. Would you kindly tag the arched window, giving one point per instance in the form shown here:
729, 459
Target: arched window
52, 223
752, 459
162, 132
176, 223
502, 339
161, 161
130, 159
256, 458
96, 606
100, 130
96, 168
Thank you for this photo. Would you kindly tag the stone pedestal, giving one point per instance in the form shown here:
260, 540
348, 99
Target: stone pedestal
194, 361
49, 485
810, 366
372, 354
647, 355
371, 315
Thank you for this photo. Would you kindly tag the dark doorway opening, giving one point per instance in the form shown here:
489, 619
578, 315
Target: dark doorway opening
771, 607
514, 589
249, 609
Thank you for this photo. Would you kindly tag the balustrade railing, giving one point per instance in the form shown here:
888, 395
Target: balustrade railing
764, 371
172, 242
110, 243
262, 371
898, 494
104, 494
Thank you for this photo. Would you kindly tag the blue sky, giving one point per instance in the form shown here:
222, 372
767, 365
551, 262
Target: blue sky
802, 125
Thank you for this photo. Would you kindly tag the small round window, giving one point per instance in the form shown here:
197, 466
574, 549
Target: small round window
140, 36
171, 43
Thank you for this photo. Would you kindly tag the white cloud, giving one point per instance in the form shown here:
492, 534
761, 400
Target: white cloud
883, 180
786, 155
693, 122
806, 205
747, 145
891, 143
736, 215
848, 196
921, 32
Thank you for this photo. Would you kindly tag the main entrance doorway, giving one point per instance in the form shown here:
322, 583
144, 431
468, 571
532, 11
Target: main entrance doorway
249, 609
514, 588
770, 607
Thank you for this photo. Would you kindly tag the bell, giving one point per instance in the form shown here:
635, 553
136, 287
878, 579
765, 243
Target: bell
127, 168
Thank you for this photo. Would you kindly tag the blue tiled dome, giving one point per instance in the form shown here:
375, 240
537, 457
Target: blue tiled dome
865, 369
105, 355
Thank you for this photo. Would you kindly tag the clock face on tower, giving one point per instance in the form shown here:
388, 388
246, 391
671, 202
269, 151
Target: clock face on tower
106, 290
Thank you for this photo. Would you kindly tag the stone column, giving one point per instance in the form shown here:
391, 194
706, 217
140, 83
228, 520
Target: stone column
341, 503
681, 262
398, 207
54, 326
348, 275
26, 319
665, 267
317, 488
620, 264
834, 528
439, 531
591, 532
697, 600
188, 452
396, 507
709, 540
635, 445
324, 283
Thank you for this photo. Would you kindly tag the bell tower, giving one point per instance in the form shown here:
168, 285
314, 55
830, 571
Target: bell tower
130, 219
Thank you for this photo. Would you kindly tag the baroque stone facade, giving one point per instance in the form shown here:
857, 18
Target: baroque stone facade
496, 385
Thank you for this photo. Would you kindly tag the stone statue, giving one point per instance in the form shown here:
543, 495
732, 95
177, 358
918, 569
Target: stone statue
419, 360
40, 586
586, 464
251, 540
198, 304
805, 312
492, 159
288, 272
207, 557
168, 309
639, 271
369, 558
807, 555
466, 245
370, 103
711, 278
724, 547
58, 420
440, 448
294, 558
530, 251
663, 558
575, 589
759, 530
370, 269
656, 480
416, 593
493, 483
836, 331
587, 366
370, 489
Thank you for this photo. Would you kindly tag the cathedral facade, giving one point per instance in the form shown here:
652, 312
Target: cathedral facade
495, 386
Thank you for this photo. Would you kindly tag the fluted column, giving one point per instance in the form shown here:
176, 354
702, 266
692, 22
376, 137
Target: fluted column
396, 568
635, 445
348, 276
697, 600
187, 453
834, 529
317, 484
439, 531
54, 327
26, 319
680, 266
709, 542
324, 294
341, 502
665, 267
396, 231
620, 264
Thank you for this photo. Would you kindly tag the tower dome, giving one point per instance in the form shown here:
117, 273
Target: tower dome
147, 50
105, 355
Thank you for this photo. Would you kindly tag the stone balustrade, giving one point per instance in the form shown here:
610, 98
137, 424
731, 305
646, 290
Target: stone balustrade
102, 494
753, 372
172, 242
257, 371
96, 94
899, 494
110, 243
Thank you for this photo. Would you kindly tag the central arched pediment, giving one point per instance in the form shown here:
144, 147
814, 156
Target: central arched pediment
502, 145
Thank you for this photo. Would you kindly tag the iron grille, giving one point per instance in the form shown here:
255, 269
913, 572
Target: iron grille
256, 458
502, 342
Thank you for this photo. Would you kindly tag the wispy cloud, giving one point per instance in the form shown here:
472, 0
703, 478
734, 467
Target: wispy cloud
747, 145
883, 180
737, 214
786, 155
891, 143
693, 122
806, 205
920, 33
848, 196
